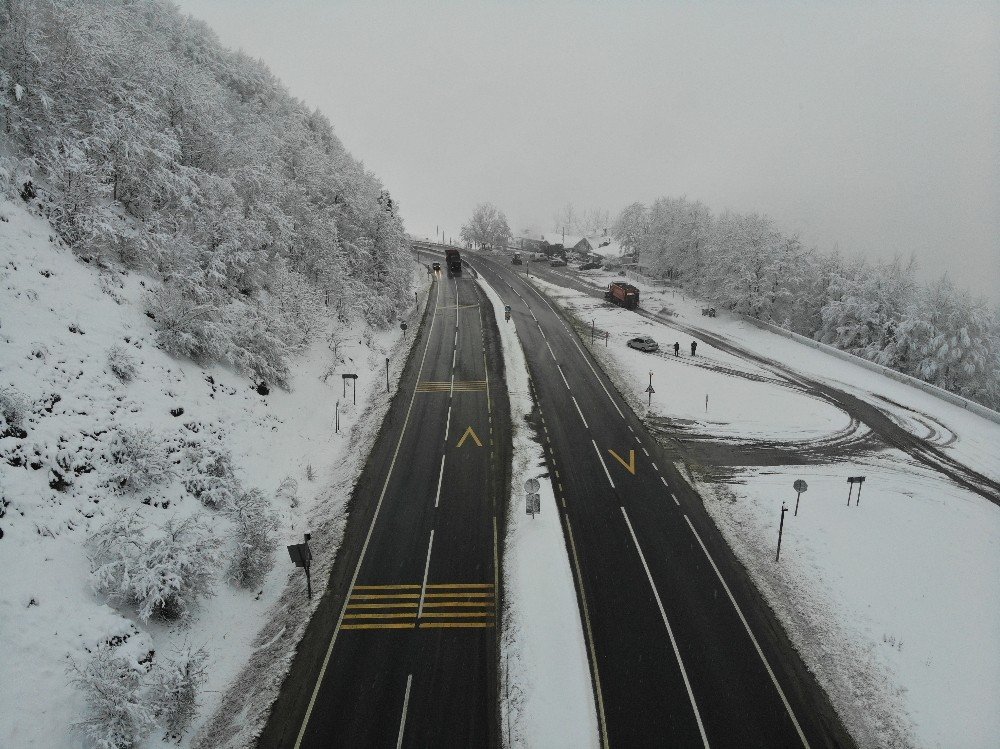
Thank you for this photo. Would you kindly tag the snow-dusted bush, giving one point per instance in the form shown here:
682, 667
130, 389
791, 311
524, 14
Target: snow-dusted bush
288, 489
122, 363
162, 575
118, 715
174, 689
254, 527
139, 459
184, 326
14, 405
211, 478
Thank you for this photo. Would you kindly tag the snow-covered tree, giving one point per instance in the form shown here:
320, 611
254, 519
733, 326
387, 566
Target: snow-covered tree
118, 715
162, 575
487, 227
175, 682
254, 539
139, 459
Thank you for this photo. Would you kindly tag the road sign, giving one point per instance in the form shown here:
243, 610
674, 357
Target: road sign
650, 388
403, 326
800, 485
532, 504
852, 480
531, 486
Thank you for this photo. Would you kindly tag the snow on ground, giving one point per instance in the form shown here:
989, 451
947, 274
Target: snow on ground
59, 319
546, 695
894, 604
743, 401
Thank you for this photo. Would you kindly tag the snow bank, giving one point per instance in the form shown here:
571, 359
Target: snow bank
546, 695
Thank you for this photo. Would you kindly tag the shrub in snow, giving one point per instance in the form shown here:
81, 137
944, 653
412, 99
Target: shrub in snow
122, 363
163, 575
13, 406
139, 459
174, 691
288, 490
117, 714
254, 536
212, 481
184, 326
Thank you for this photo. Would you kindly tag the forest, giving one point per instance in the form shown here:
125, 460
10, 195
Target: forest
149, 146
877, 310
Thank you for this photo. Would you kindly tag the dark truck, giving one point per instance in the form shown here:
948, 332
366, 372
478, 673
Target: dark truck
623, 294
454, 260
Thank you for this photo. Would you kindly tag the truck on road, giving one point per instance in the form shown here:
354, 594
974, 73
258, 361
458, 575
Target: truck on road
623, 294
454, 260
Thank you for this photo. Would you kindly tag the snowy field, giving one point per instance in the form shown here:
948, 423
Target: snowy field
546, 695
894, 604
59, 475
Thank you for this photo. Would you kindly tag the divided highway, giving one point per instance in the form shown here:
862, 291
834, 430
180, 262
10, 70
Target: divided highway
683, 650
402, 650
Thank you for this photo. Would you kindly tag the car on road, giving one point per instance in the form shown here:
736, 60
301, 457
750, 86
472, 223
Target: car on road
437, 266
557, 263
643, 343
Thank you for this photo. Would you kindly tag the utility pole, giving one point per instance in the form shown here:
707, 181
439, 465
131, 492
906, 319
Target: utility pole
387, 374
781, 527
592, 324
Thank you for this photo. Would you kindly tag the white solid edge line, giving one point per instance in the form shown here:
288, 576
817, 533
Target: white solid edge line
603, 464
437, 497
427, 567
753, 639
402, 720
670, 632
590, 638
371, 529
579, 412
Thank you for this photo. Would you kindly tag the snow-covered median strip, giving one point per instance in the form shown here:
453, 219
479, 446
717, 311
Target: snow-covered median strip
546, 695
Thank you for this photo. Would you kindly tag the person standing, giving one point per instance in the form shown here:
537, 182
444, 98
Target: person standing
677, 348
694, 348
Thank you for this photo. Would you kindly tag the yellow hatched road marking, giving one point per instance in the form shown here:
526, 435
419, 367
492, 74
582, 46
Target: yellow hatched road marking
465, 604
381, 605
372, 596
458, 595
442, 625
459, 585
408, 625
384, 587
455, 614
379, 616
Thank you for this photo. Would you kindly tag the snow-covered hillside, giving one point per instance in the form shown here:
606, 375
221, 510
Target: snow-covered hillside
198, 476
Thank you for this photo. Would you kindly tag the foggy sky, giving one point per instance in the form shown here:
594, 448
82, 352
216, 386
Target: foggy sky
871, 129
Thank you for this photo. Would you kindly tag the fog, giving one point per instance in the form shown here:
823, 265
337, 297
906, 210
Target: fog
868, 128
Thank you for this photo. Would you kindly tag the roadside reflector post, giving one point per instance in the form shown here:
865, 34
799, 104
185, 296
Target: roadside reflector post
592, 324
650, 390
781, 528
706, 402
605, 339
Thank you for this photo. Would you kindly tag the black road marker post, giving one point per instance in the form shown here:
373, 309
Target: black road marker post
781, 527
605, 339
302, 556
336, 428
592, 323
799, 486
706, 402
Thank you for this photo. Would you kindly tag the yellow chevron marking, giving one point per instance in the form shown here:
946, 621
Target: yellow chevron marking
466, 435
375, 596
385, 587
460, 585
630, 466
458, 595
456, 614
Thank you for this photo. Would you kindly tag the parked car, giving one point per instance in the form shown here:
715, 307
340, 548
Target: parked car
592, 265
516, 259
557, 263
437, 266
644, 343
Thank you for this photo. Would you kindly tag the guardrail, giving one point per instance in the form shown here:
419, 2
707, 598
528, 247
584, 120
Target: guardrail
957, 400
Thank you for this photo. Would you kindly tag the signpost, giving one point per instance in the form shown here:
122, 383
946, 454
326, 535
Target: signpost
650, 389
799, 486
781, 527
302, 556
354, 378
852, 480
532, 499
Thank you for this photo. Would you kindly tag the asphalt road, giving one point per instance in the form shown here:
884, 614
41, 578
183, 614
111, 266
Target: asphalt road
683, 650
402, 649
